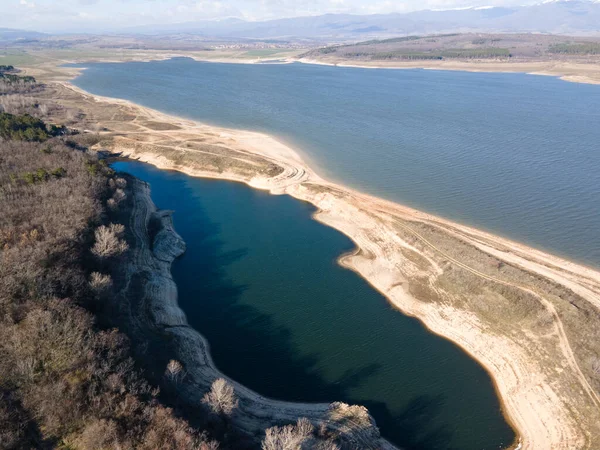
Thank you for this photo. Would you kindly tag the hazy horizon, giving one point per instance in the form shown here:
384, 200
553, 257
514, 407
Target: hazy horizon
96, 16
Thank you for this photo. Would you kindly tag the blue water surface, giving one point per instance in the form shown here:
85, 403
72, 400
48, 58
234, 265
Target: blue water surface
515, 154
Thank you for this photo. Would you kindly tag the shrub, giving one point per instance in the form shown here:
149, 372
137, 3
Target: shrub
59, 172
100, 283
221, 398
121, 182
108, 243
174, 371
289, 437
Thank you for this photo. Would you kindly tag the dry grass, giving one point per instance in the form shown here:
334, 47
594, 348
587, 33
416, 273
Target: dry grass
511, 306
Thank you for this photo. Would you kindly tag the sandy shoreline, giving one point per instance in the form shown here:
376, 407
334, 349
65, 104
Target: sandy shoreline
566, 71
537, 401
571, 71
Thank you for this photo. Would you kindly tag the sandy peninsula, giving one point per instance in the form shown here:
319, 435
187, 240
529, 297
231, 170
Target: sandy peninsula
530, 318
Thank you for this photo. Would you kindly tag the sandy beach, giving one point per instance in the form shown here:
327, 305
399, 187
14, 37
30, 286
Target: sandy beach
588, 73
522, 313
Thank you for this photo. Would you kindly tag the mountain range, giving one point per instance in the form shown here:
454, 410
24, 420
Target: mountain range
9, 34
567, 17
574, 17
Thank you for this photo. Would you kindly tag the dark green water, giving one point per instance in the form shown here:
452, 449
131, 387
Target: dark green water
260, 281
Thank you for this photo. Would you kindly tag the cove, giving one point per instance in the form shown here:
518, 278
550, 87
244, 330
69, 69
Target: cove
260, 281
514, 154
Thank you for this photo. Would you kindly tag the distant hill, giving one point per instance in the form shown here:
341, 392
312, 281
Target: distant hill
463, 46
9, 34
574, 17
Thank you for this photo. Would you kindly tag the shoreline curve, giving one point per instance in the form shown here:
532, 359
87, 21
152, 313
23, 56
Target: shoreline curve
152, 256
537, 415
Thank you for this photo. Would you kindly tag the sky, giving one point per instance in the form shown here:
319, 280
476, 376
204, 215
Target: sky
102, 15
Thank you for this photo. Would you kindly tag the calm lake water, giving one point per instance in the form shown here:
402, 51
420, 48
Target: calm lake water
515, 154
260, 280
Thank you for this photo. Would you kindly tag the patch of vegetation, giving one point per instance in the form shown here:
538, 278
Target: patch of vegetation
26, 128
591, 48
405, 39
16, 57
327, 50
391, 40
11, 78
474, 53
450, 54
334, 49
40, 175
405, 55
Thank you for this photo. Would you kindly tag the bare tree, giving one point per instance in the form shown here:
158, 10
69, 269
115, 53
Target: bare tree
327, 445
221, 398
108, 242
289, 437
100, 283
174, 371
118, 197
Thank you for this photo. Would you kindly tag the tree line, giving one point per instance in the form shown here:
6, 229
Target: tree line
67, 379
590, 48
25, 127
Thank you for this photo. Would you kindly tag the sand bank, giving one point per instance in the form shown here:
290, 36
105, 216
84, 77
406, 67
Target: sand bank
588, 73
572, 71
522, 313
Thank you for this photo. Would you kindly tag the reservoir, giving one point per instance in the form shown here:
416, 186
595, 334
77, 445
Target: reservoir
514, 154
260, 280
